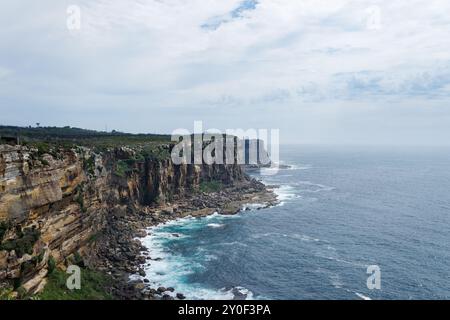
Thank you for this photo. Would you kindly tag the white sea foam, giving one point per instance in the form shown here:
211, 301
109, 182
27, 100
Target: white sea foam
285, 193
299, 167
172, 270
253, 206
285, 166
313, 187
336, 281
362, 296
169, 270
304, 237
169, 235
215, 225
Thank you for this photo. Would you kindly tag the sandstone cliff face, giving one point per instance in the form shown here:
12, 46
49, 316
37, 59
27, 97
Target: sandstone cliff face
53, 206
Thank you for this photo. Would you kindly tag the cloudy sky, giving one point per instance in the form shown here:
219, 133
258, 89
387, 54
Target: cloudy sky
340, 71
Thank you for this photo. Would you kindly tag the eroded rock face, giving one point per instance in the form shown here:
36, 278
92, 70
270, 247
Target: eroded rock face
55, 205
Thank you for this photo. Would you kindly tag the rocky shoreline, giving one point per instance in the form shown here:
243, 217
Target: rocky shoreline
119, 253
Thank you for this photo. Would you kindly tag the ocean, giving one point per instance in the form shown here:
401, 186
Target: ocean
342, 209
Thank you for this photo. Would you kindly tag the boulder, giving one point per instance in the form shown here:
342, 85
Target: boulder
180, 296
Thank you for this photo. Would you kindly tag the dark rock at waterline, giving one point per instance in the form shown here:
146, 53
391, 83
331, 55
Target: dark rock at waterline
162, 289
230, 209
141, 233
167, 297
139, 286
146, 280
238, 295
180, 296
141, 273
168, 211
170, 289
121, 254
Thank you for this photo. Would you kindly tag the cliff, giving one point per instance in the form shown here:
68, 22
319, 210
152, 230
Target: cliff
55, 202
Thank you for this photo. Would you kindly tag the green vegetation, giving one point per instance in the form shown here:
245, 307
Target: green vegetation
51, 264
157, 152
79, 198
94, 286
210, 186
53, 140
7, 293
47, 139
94, 237
122, 168
89, 165
24, 243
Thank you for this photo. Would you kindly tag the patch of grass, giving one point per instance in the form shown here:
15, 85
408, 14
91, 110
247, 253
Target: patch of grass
122, 168
51, 265
43, 148
46, 139
7, 293
210, 186
93, 286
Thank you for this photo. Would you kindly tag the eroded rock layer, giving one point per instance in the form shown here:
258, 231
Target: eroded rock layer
52, 206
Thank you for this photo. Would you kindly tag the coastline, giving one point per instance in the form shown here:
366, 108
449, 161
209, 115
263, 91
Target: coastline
121, 253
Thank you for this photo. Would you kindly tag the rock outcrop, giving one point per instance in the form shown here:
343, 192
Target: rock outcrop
54, 204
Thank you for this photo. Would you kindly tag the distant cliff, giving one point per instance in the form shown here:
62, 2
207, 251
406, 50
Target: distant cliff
54, 201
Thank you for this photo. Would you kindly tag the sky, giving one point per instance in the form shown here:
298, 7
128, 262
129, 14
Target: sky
320, 71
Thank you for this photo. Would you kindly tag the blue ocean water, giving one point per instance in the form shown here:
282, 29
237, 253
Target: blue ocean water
342, 210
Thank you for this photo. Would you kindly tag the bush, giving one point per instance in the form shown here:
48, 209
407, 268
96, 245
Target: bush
6, 293
211, 186
51, 265
89, 165
122, 168
79, 198
25, 242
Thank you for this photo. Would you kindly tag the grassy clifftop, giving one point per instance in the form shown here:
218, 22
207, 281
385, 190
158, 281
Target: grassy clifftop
76, 136
50, 140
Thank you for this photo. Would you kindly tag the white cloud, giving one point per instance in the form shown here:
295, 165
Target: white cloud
202, 54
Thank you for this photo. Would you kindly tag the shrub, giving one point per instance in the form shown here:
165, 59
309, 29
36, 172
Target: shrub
23, 244
51, 265
210, 186
7, 293
89, 165
122, 168
80, 198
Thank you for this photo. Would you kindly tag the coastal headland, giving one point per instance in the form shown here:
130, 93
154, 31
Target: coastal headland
76, 197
